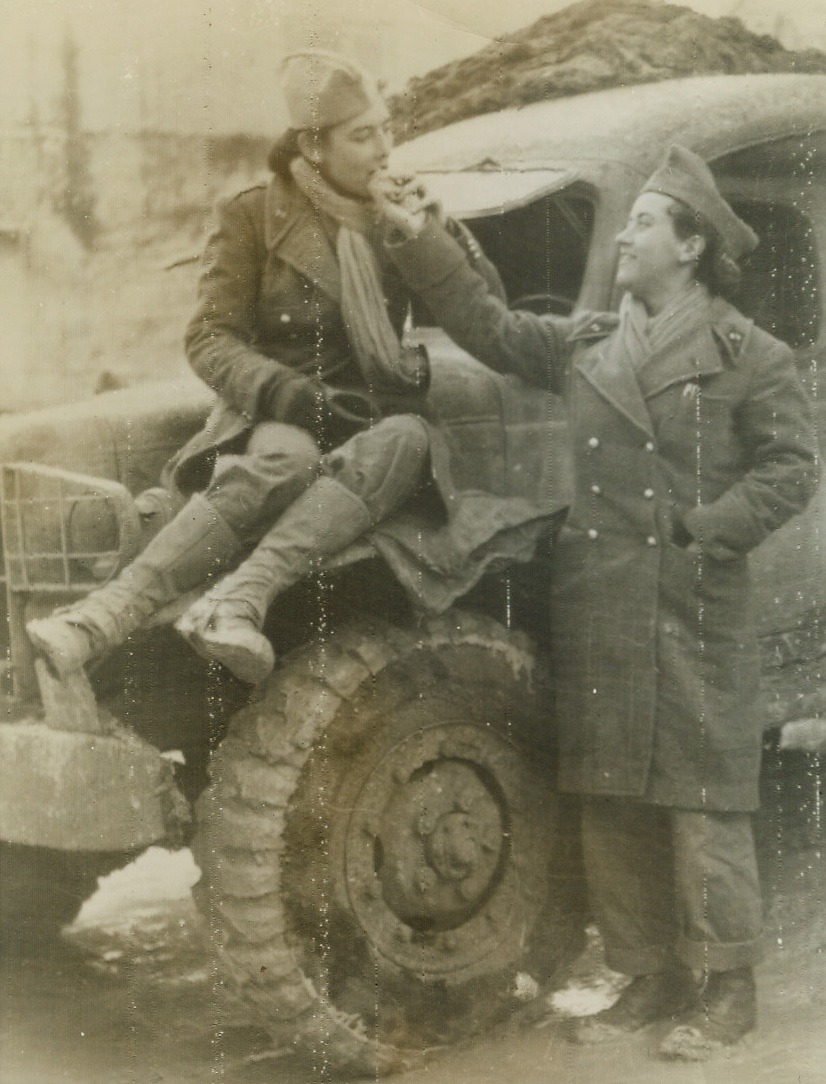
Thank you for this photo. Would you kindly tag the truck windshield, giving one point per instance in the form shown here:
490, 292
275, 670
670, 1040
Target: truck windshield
540, 249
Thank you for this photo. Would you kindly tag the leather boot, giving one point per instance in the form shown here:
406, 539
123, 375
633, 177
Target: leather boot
225, 625
727, 1010
195, 545
646, 998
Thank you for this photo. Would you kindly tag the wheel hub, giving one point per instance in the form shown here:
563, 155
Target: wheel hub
438, 852
441, 843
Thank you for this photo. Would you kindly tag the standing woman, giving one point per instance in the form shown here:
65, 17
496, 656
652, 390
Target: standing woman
297, 330
691, 442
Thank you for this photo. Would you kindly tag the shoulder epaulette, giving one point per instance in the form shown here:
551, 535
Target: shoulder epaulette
731, 327
250, 188
232, 196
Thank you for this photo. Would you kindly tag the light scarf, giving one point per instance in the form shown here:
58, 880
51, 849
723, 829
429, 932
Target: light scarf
384, 362
639, 337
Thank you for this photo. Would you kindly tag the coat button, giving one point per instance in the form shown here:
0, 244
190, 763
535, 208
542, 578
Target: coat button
592, 534
286, 318
596, 489
651, 540
649, 445
648, 493
593, 442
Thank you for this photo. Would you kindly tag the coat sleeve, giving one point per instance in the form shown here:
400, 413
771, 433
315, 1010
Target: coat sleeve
776, 429
477, 258
435, 267
220, 339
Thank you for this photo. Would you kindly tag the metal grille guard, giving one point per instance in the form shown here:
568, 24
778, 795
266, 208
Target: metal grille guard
64, 533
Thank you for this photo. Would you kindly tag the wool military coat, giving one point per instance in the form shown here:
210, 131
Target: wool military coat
269, 316
679, 471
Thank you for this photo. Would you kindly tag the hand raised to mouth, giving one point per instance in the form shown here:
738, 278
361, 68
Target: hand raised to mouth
402, 200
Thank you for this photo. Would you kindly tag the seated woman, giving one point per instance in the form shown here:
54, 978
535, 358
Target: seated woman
297, 330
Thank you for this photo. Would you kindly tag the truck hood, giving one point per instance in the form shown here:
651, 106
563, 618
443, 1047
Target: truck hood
489, 189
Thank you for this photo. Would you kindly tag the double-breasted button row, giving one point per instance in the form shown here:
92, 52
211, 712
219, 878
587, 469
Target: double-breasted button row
649, 446
596, 489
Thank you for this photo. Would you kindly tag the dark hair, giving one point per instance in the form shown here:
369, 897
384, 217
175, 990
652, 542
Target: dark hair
716, 268
286, 149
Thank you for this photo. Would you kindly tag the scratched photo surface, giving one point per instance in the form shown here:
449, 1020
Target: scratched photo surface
368, 861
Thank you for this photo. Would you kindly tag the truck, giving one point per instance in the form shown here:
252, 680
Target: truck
386, 863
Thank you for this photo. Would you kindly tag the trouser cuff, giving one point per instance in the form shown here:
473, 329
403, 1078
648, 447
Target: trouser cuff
713, 956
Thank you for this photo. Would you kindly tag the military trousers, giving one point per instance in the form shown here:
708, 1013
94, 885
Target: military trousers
253, 484
665, 882
383, 466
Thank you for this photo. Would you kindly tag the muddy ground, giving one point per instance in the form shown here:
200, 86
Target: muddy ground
131, 996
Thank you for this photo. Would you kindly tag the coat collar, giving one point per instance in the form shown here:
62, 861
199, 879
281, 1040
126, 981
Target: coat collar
293, 230
714, 346
618, 384
694, 357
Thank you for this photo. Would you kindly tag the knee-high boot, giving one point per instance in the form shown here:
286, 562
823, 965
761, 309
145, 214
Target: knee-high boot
197, 544
225, 625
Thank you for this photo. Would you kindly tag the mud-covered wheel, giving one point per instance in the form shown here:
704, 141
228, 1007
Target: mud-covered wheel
381, 846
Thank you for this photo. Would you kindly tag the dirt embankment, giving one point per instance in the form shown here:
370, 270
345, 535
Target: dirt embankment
590, 46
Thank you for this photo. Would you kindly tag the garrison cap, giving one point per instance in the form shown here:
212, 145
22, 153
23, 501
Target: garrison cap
686, 177
323, 89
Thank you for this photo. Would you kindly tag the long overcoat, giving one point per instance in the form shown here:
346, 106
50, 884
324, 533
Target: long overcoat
655, 656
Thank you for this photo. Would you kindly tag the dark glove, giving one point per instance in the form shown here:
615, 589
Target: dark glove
296, 400
333, 415
307, 400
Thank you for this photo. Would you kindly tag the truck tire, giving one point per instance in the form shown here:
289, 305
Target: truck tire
381, 845
42, 890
